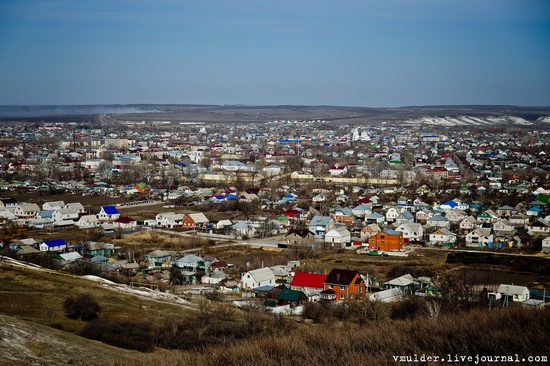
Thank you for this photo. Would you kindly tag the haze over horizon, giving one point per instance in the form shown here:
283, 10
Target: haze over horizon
250, 52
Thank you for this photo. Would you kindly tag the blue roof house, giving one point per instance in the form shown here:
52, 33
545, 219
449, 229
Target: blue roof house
108, 213
54, 245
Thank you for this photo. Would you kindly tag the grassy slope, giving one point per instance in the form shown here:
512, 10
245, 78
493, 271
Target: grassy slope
25, 343
38, 296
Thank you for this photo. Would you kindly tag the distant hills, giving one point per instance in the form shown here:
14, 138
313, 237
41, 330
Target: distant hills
444, 116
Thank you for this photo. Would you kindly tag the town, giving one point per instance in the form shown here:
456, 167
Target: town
286, 216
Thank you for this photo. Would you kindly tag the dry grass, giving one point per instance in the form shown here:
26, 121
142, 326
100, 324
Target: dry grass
500, 332
38, 296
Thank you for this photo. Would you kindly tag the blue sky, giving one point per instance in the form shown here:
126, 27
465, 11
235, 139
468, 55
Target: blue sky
304, 52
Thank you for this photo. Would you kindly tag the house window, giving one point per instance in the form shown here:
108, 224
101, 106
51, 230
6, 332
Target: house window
342, 296
330, 286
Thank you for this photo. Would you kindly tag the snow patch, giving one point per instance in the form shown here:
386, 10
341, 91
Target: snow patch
98, 279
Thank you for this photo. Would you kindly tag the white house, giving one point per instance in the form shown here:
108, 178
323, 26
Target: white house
53, 205
442, 236
361, 210
65, 214
479, 238
87, 221
337, 170
517, 293
390, 295
546, 245
27, 210
257, 277
7, 213
439, 221
53, 245
468, 223
411, 231
76, 206
392, 213
338, 237
108, 213
539, 227
169, 219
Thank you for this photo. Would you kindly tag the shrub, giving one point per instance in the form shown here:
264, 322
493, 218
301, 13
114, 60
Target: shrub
123, 334
82, 307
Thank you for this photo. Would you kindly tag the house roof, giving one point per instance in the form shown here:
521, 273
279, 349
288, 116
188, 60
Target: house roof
320, 221
71, 256
387, 295
190, 258
311, 280
262, 274
198, 217
341, 276
110, 210
55, 242
125, 220
512, 289
158, 253
290, 295
404, 280
302, 233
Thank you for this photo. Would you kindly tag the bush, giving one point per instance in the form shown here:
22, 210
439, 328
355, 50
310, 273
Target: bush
123, 334
82, 307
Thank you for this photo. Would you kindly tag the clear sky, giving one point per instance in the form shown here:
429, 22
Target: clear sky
308, 52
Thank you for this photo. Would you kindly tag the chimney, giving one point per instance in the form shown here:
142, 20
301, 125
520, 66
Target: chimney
338, 277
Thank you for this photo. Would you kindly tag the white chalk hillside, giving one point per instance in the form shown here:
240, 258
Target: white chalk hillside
472, 121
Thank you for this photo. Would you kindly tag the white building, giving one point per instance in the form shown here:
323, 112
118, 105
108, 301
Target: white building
257, 277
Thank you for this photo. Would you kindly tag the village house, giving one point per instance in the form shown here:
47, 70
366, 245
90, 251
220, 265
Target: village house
54, 245
169, 219
108, 213
195, 221
27, 211
387, 240
406, 284
546, 245
337, 238
480, 237
53, 205
192, 263
125, 223
291, 297
442, 236
65, 214
514, 292
343, 285
369, 231
411, 231
361, 210
87, 221
319, 225
392, 213
158, 258
374, 218
438, 221
343, 215
300, 238
77, 206
257, 278
405, 217
310, 284
539, 227
468, 223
